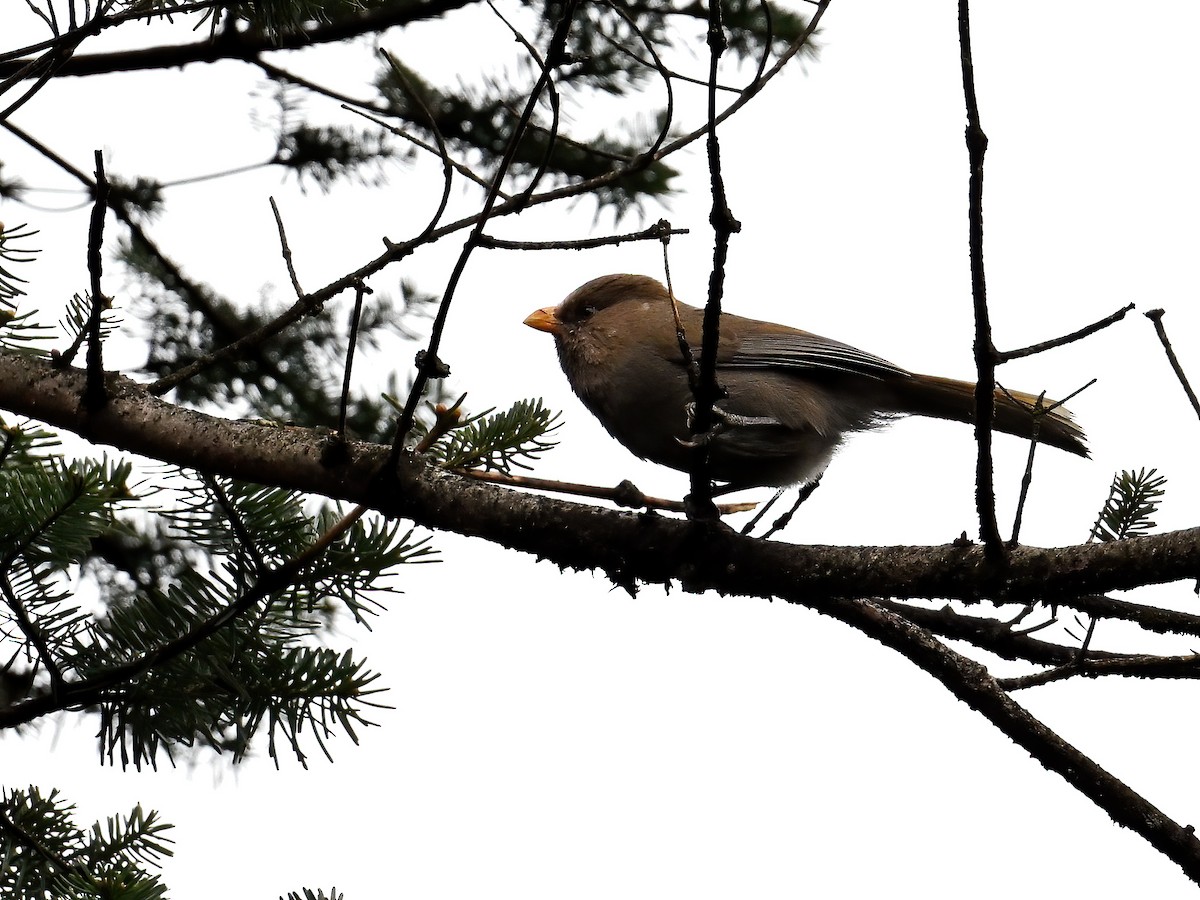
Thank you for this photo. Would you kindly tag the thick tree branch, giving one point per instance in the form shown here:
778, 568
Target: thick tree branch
629, 548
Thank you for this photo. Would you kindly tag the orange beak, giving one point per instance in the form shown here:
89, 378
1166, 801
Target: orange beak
544, 320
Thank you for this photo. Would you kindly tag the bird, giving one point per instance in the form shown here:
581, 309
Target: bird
791, 396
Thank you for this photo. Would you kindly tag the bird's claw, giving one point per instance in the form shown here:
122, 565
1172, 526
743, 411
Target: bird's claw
722, 421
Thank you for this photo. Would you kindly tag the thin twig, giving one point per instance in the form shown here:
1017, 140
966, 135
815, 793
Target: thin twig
624, 494
461, 169
96, 394
1004, 356
552, 92
663, 72
1155, 316
1027, 477
654, 233
782, 522
687, 357
355, 319
287, 251
447, 163
753, 523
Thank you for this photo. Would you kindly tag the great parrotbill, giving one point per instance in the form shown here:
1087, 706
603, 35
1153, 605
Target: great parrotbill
792, 395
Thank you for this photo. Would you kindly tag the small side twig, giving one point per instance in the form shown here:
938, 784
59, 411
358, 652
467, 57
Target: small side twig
624, 494
654, 233
690, 364
1155, 316
553, 51
461, 169
1027, 476
782, 522
1039, 410
286, 250
1007, 355
360, 290
442, 151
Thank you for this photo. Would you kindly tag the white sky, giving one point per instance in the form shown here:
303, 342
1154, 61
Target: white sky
552, 737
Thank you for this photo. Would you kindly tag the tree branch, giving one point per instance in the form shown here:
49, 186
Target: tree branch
245, 45
629, 548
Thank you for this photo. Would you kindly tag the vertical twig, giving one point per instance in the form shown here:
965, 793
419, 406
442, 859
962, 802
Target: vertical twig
443, 152
95, 394
1027, 478
985, 352
707, 390
1155, 316
355, 317
286, 250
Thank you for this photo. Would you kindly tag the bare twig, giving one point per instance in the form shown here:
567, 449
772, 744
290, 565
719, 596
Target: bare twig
287, 251
1004, 356
355, 317
96, 394
1027, 477
461, 169
655, 232
985, 351
1155, 316
664, 73
551, 92
782, 522
624, 494
706, 390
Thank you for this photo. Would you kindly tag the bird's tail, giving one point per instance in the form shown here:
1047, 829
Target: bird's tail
1016, 413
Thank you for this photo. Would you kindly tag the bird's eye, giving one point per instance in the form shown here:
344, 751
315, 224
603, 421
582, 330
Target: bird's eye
587, 312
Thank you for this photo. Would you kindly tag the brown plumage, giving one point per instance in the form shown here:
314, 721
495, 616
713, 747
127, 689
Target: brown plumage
792, 395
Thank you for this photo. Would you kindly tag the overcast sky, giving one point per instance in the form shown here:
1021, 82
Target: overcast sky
553, 737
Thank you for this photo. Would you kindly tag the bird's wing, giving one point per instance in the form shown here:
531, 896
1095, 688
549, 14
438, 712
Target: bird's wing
800, 351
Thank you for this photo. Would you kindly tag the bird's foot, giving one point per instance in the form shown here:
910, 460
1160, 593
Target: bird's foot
722, 421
